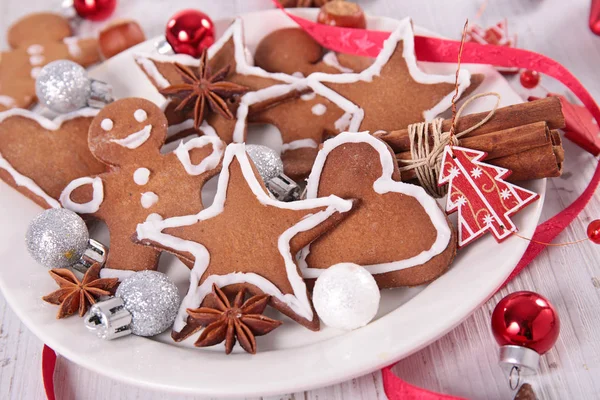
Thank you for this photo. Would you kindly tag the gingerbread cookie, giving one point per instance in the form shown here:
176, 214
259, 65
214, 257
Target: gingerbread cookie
142, 184
305, 121
397, 231
295, 52
36, 40
246, 238
39, 157
228, 52
393, 92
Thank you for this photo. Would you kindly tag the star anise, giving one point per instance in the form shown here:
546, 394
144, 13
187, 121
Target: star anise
226, 322
76, 295
203, 88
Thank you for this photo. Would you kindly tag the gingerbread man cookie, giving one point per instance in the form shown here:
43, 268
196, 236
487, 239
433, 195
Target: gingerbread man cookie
39, 157
142, 184
397, 231
246, 238
36, 40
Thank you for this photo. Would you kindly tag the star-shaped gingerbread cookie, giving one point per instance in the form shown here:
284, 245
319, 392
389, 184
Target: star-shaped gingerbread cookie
246, 238
396, 231
228, 52
141, 184
393, 92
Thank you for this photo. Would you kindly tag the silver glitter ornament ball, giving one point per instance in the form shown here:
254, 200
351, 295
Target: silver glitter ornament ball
63, 86
153, 301
346, 296
267, 161
57, 238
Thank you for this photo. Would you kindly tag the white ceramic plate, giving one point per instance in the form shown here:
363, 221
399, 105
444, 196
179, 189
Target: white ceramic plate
292, 358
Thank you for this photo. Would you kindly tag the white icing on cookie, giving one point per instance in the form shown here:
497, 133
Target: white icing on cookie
308, 96
120, 274
319, 109
140, 115
7, 101
83, 208
73, 46
343, 122
35, 49
35, 72
36, 60
298, 301
331, 59
183, 154
154, 217
28, 183
136, 139
106, 124
404, 33
299, 144
243, 64
52, 125
298, 74
384, 184
141, 176
148, 199
180, 127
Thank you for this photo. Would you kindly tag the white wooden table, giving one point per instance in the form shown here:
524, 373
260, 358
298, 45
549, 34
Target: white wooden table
464, 361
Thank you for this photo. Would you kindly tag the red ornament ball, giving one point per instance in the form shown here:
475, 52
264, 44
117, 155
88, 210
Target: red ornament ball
593, 231
95, 10
190, 32
526, 319
530, 79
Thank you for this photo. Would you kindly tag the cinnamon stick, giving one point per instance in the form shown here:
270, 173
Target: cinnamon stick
503, 143
547, 109
530, 152
537, 163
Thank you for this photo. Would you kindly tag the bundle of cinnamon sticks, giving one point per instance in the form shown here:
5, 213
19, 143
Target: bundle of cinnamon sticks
523, 138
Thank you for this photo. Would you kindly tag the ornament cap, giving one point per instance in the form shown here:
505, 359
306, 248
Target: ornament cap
525, 359
100, 94
95, 252
109, 319
283, 188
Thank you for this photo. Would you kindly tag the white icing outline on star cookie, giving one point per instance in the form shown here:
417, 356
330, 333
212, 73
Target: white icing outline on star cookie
183, 154
243, 67
298, 301
384, 184
48, 124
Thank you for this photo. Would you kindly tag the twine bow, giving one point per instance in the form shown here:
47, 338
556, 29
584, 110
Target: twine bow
426, 157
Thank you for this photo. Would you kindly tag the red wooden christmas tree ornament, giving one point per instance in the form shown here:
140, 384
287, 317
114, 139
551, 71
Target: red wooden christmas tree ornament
478, 192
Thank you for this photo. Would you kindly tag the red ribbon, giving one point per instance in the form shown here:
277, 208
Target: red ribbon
369, 43
48, 366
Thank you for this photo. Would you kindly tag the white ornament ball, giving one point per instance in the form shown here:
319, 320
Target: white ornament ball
346, 296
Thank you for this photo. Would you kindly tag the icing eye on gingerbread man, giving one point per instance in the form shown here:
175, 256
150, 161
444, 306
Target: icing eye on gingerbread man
125, 131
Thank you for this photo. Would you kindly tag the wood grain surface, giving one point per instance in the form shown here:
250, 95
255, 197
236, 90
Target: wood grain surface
464, 362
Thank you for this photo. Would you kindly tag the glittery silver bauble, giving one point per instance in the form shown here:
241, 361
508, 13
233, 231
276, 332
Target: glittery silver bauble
153, 301
267, 161
346, 296
57, 238
63, 86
